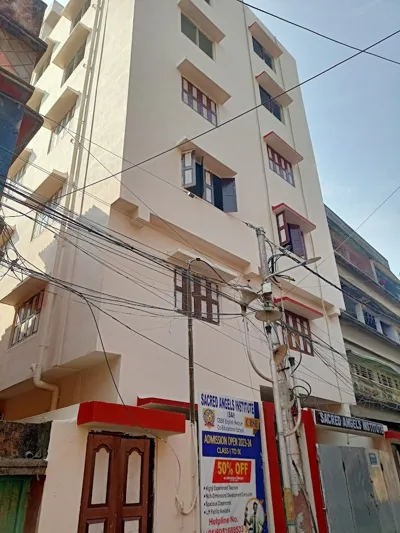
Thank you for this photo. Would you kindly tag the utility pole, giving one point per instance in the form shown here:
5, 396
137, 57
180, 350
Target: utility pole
285, 467
192, 400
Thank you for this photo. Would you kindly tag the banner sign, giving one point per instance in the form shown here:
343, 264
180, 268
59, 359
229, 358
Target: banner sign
231, 472
322, 418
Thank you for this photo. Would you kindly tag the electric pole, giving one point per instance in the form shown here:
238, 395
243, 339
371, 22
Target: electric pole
285, 467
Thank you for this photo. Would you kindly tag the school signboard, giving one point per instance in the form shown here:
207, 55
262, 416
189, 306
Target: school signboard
231, 472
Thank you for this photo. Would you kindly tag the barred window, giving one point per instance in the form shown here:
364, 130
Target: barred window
362, 371
280, 166
205, 301
370, 320
45, 217
299, 333
26, 320
198, 101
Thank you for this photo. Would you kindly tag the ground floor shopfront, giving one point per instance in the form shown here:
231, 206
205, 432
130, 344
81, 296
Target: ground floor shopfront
99, 468
352, 473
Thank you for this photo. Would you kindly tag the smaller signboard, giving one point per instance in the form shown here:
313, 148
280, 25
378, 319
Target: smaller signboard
348, 423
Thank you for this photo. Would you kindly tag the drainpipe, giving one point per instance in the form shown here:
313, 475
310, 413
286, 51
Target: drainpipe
37, 368
37, 374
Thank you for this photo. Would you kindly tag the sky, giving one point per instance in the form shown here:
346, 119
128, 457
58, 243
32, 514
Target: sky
353, 111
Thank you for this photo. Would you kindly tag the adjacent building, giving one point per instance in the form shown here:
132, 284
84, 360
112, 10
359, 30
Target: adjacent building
370, 323
20, 50
120, 83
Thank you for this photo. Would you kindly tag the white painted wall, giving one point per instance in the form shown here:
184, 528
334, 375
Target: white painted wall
135, 111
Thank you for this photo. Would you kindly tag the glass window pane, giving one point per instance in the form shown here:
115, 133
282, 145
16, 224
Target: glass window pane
133, 478
132, 526
188, 28
257, 48
205, 44
277, 110
97, 528
100, 477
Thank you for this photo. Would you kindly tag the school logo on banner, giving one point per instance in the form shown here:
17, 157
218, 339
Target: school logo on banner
209, 418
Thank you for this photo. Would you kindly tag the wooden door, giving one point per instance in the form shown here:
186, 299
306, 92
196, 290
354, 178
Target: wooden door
116, 489
14, 492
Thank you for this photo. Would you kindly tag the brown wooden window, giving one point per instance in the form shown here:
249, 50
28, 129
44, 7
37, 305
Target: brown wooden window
299, 333
26, 320
280, 165
205, 302
198, 101
291, 236
117, 485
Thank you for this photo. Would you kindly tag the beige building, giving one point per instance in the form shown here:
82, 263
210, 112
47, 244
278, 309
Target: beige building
120, 83
370, 324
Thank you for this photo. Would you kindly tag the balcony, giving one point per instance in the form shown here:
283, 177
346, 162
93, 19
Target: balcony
375, 384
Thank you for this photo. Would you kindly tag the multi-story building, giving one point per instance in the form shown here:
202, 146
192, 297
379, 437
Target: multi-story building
169, 125
370, 323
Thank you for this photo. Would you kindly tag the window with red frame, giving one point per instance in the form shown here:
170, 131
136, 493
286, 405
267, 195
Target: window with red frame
291, 236
26, 320
280, 166
198, 101
299, 333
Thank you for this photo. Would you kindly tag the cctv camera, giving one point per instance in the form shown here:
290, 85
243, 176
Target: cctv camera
190, 194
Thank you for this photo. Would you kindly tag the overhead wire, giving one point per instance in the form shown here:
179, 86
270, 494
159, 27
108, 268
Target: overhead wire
319, 34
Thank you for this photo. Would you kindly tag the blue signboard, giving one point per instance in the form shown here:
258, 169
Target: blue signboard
231, 466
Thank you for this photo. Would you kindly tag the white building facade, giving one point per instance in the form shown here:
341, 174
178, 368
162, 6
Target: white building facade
120, 83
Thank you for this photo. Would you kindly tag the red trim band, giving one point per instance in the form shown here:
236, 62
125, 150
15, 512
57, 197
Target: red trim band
274, 471
102, 413
311, 440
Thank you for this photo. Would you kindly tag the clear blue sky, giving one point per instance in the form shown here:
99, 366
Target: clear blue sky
353, 111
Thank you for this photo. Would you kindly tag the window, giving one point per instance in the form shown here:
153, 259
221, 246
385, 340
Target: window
370, 320
270, 104
278, 164
60, 129
205, 302
387, 330
45, 217
26, 320
291, 236
198, 101
80, 14
220, 192
362, 371
350, 305
21, 173
46, 63
74, 63
117, 485
299, 333
196, 36
265, 56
